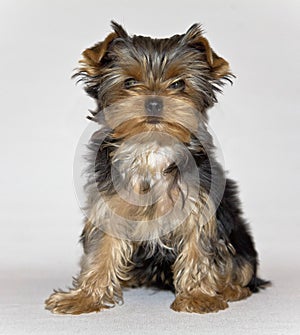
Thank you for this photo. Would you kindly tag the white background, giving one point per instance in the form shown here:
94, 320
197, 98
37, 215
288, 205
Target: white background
43, 116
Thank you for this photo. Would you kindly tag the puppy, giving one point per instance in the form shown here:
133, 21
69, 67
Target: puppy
160, 210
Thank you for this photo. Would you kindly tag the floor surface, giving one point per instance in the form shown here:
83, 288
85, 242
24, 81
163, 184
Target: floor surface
273, 311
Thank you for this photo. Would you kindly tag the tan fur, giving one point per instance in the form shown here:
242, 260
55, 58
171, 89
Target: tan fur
219, 66
196, 265
204, 271
133, 127
98, 285
179, 118
235, 293
197, 302
92, 56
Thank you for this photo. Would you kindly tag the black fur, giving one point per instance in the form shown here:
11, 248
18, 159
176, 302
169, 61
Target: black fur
155, 268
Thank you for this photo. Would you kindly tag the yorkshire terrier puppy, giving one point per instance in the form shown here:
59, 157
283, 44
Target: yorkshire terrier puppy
160, 210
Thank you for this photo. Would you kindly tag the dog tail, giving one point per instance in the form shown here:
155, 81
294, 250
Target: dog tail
256, 284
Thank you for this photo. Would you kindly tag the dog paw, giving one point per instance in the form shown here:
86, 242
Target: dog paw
73, 302
197, 302
236, 293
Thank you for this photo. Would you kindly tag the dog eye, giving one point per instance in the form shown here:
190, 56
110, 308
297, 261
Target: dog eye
177, 85
130, 82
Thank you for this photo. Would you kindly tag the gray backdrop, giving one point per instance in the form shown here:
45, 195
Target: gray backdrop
43, 116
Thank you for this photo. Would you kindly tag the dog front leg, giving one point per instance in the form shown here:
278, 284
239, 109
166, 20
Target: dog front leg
204, 265
98, 285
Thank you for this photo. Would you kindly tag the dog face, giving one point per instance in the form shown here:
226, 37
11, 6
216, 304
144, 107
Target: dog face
143, 84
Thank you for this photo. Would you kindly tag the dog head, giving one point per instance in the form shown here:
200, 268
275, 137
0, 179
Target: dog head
143, 84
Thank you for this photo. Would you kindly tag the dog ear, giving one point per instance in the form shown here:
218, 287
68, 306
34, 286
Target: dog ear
92, 57
218, 65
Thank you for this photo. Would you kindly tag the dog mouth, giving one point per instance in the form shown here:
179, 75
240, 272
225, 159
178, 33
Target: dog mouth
153, 120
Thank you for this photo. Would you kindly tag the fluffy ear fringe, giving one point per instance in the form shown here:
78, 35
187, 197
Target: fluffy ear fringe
93, 56
91, 62
219, 66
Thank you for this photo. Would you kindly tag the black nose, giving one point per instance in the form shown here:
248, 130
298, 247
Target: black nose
154, 106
